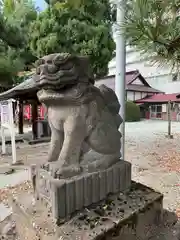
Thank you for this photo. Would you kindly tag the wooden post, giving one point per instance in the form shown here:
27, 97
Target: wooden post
169, 120
12, 131
7, 122
20, 117
34, 119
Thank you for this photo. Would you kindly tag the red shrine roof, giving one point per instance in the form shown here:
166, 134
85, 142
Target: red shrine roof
131, 85
160, 98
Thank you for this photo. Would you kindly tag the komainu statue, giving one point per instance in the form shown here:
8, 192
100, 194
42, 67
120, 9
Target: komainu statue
84, 119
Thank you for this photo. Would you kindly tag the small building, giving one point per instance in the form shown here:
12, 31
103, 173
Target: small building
25, 93
157, 106
136, 85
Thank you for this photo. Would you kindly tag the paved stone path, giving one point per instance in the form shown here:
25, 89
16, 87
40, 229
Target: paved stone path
11, 180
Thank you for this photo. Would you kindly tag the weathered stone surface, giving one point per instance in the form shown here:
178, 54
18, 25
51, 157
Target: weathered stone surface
68, 195
87, 179
128, 217
9, 230
33, 221
122, 216
95, 187
5, 212
43, 184
116, 178
109, 173
79, 192
6, 226
103, 184
58, 198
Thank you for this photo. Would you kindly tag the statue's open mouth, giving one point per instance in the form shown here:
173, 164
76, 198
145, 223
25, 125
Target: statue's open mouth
47, 80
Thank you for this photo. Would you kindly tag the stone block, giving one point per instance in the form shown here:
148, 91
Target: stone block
58, 198
122, 176
102, 184
43, 188
95, 188
144, 222
116, 177
87, 190
109, 176
127, 172
79, 193
69, 195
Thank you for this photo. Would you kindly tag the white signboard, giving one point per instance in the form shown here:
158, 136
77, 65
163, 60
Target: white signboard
7, 122
164, 108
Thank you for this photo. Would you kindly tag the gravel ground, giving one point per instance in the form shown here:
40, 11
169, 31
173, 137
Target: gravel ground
27, 128
155, 159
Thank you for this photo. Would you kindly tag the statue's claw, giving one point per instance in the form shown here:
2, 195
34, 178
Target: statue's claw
65, 172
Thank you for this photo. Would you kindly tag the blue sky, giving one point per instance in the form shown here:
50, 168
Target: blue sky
41, 4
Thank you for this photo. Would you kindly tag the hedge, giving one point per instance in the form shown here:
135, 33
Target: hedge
132, 112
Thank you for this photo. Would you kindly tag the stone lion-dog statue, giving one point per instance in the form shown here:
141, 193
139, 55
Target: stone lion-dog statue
84, 119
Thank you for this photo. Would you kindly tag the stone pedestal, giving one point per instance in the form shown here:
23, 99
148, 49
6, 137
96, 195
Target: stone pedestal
104, 205
130, 215
71, 195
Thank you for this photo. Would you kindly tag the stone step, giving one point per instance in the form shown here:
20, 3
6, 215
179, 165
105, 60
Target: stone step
6, 225
125, 215
5, 212
33, 219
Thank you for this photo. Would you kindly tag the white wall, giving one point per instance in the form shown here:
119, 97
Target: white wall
158, 77
138, 82
144, 95
130, 96
137, 95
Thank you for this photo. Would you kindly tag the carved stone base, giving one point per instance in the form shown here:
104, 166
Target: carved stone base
71, 195
135, 214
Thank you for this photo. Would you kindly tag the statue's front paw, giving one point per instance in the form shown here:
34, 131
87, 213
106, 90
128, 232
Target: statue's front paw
65, 172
